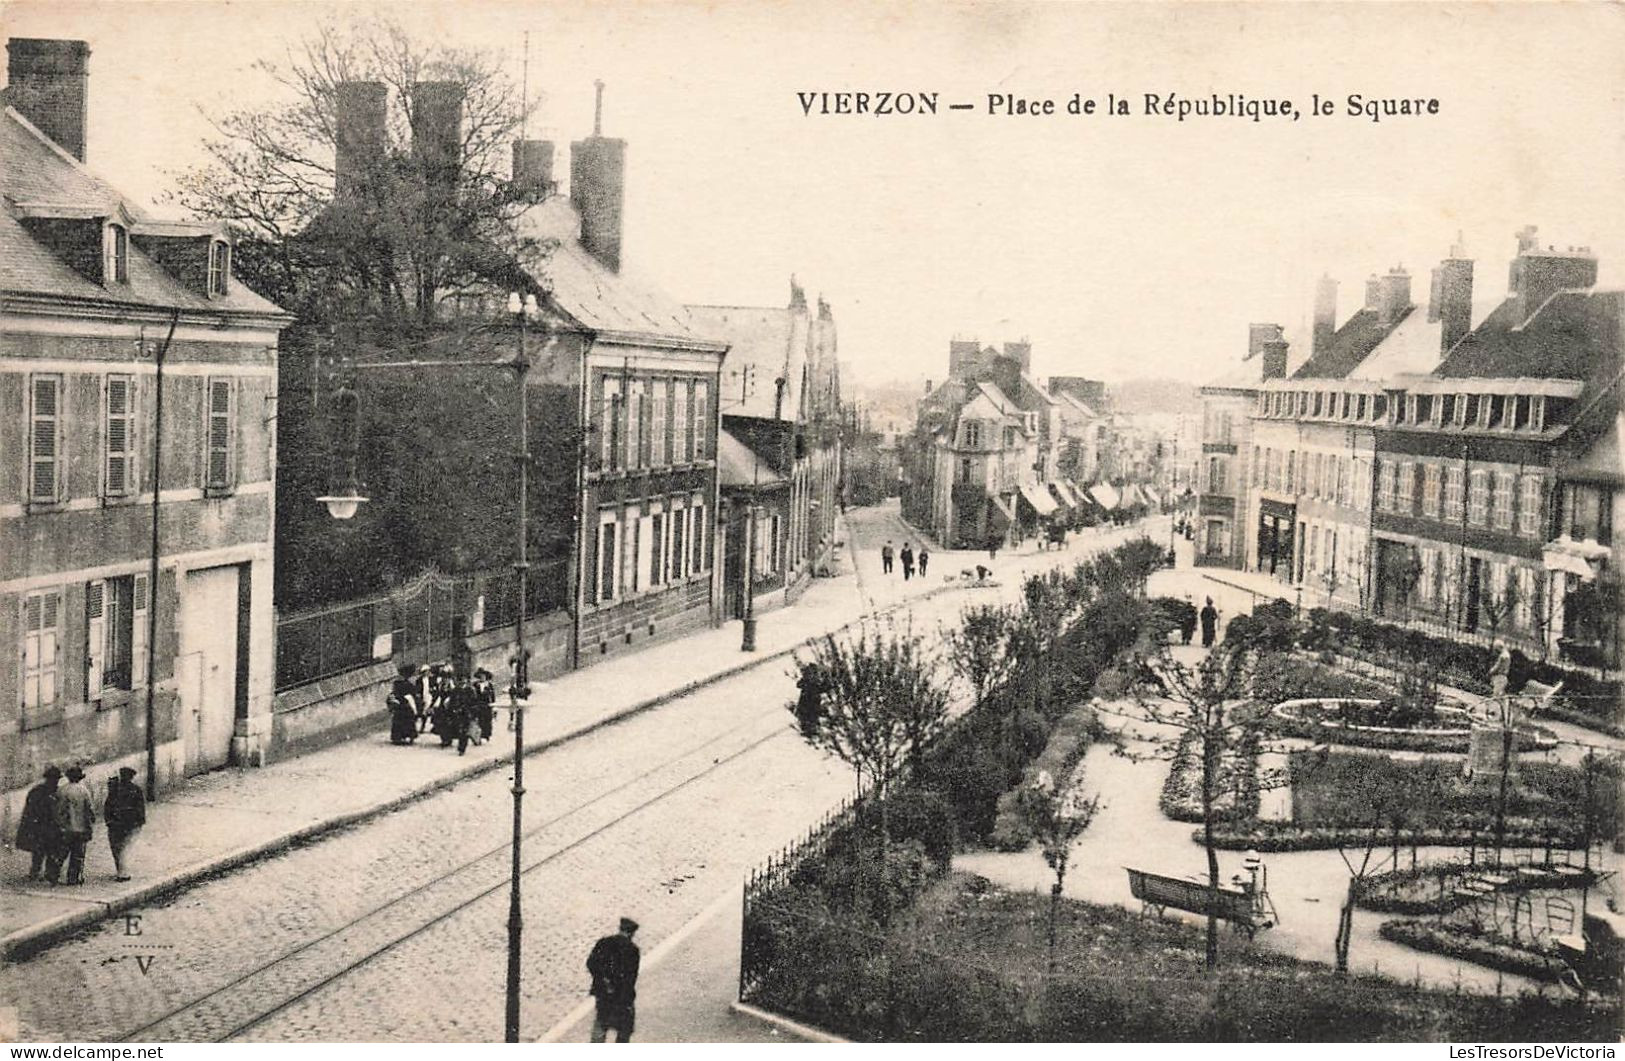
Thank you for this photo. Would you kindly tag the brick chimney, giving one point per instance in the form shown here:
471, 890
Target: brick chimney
437, 131
1536, 275
1325, 316
49, 85
1393, 296
360, 120
1260, 334
598, 188
1373, 292
532, 169
1273, 352
1451, 303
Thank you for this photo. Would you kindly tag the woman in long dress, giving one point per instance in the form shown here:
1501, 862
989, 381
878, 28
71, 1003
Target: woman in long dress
403, 707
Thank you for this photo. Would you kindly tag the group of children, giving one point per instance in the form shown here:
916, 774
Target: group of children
441, 699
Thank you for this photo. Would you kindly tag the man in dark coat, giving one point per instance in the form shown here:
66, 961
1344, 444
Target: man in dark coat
907, 556
810, 704
37, 832
613, 964
1187, 622
1210, 623
125, 812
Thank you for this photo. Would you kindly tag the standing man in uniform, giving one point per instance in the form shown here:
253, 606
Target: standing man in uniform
613, 964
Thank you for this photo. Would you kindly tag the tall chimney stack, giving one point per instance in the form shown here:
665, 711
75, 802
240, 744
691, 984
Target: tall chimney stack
1536, 275
533, 168
1452, 304
1394, 296
49, 85
1274, 355
1325, 316
360, 120
1260, 334
598, 188
437, 131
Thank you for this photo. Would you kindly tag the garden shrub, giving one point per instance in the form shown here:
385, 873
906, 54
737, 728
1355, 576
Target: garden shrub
1066, 747
1461, 941
924, 815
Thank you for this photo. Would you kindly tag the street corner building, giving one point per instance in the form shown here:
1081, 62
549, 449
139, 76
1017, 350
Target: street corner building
779, 450
1454, 462
137, 455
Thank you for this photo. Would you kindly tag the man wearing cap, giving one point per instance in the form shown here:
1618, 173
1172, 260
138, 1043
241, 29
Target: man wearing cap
125, 812
613, 964
76, 817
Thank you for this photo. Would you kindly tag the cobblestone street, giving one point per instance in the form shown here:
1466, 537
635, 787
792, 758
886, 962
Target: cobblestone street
396, 928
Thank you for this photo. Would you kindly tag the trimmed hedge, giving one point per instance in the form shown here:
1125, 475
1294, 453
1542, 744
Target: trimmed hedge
1067, 745
1181, 798
1431, 742
1287, 836
1455, 941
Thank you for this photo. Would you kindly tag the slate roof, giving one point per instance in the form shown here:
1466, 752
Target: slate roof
583, 287
760, 337
1351, 344
1244, 376
1575, 335
1413, 346
36, 171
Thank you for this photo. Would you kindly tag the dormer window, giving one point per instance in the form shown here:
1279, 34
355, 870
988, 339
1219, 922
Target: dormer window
219, 266
115, 254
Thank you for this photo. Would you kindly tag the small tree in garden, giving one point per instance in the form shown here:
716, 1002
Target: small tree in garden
881, 707
1496, 606
980, 648
1057, 815
1206, 703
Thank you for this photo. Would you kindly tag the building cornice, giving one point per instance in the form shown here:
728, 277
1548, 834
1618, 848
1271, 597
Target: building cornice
34, 304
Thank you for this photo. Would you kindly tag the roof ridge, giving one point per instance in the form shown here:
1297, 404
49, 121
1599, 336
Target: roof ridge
74, 162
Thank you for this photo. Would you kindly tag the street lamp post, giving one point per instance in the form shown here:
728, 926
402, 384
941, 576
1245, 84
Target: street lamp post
343, 505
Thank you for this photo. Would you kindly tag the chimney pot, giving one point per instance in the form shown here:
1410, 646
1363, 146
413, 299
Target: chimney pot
49, 83
437, 130
597, 190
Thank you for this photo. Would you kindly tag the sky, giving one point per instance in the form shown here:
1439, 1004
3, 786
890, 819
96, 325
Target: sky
1121, 246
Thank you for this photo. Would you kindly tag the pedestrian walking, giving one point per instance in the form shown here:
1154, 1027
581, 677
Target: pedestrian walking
1210, 623
403, 707
465, 704
908, 561
613, 964
37, 832
810, 704
886, 558
1187, 621
76, 817
925, 555
423, 696
125, 812
485, 696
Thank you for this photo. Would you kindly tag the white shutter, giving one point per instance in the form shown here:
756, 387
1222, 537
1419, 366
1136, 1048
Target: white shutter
96, 607
138, 632
32, 606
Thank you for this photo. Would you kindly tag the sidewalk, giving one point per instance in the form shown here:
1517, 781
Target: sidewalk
218, 821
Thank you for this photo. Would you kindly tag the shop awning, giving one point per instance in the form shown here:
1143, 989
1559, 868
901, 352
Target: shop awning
1002, 507
739, 467
1152, 496
1570, 557
1104, 495
1038, 498
1063, 490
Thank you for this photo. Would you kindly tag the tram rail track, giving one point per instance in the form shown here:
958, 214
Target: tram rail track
309, 967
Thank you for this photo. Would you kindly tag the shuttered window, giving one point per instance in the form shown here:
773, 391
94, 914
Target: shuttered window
138, 631
95, 638
679, 557
119, 475
608, 541
45, 438
682, 428
699, 539
657, 550
219, 267
659, 439
116, 255
702, 418
218, 470
42, 616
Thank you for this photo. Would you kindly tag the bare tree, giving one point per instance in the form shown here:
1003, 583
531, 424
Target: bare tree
1057, 814
413, 228
1207, 706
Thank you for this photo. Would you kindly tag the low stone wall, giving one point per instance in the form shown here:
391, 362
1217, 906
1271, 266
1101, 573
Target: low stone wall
336, 709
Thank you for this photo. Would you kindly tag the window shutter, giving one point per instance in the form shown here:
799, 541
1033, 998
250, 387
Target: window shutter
592, 563
46, 436
138, 632
95, 638
698, 537
31, 650
219, 460
118, 435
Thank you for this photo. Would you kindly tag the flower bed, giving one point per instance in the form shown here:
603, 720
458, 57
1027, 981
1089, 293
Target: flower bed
1288, 836
1431, 889
1235, 798
1344, 720
1459, 941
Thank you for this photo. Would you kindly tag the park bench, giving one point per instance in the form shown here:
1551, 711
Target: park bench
1246, 907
